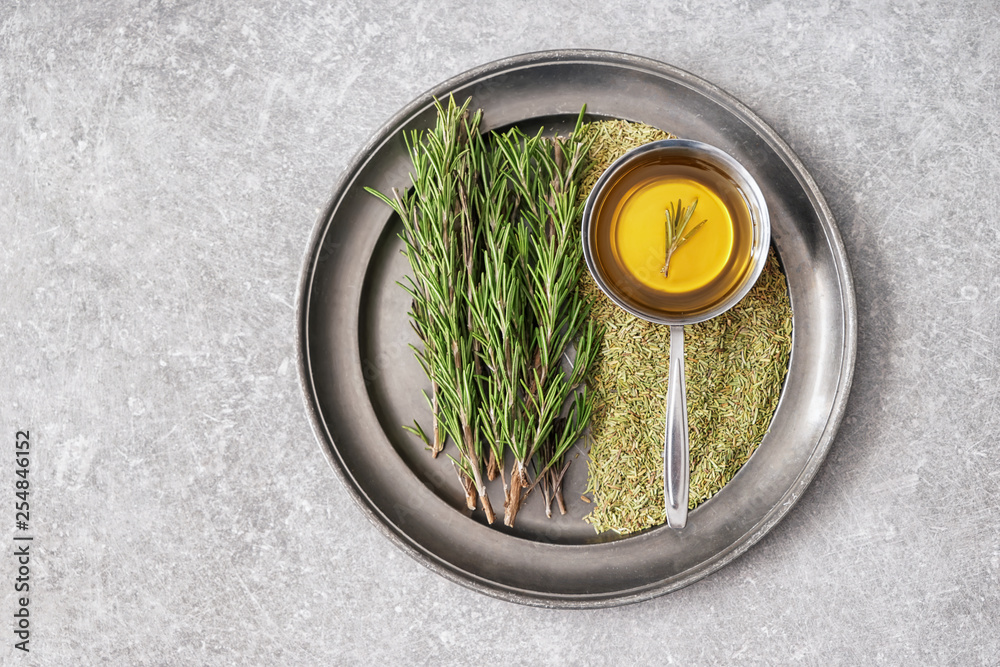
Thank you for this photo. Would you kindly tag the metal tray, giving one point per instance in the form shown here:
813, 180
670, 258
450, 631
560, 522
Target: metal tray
362, 384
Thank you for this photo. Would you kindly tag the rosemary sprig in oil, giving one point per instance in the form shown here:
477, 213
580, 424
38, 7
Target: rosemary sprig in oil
676, 225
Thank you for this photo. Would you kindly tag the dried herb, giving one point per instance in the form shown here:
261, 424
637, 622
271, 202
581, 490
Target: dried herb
736, 365
609, 140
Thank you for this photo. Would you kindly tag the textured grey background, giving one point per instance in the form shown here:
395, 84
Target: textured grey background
161, 167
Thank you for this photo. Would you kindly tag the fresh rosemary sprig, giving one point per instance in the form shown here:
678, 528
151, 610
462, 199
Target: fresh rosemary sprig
491, 231
440, 237
499, 308
676, 224
545, 174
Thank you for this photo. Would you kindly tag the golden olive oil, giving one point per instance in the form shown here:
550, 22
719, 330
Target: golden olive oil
629, 237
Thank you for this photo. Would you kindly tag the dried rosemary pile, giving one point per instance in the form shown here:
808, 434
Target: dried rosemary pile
735, 368
491, 231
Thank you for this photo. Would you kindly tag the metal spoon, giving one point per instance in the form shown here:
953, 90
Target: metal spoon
676, 473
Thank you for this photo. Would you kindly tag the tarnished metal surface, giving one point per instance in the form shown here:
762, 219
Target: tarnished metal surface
361, 383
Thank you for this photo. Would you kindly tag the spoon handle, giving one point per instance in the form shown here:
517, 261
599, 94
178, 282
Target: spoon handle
675, 449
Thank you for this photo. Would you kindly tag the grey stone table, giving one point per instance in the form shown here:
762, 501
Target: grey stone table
162, 165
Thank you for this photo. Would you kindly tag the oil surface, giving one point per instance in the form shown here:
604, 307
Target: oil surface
629, 237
